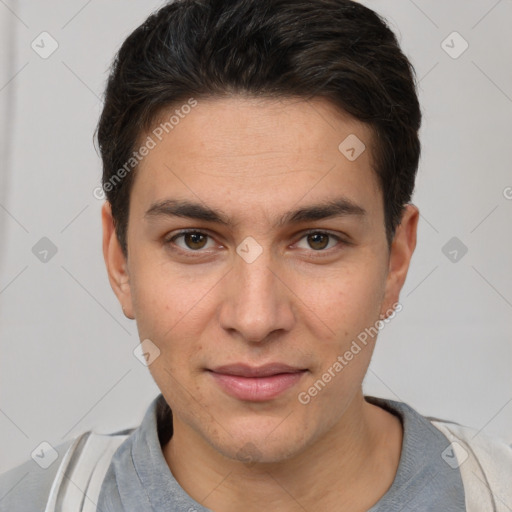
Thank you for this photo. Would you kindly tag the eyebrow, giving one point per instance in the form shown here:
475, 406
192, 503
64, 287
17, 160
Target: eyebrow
339, 207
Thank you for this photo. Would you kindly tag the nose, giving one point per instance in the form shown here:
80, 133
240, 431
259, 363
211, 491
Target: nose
256, 302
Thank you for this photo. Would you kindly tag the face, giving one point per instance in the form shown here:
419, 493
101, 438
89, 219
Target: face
257, 245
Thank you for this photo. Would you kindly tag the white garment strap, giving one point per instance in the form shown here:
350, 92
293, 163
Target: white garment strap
485, 466
77, 484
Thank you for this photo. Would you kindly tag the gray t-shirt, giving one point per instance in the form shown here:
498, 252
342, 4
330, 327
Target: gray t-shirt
138, 478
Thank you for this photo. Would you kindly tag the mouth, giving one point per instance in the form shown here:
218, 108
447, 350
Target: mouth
256, 384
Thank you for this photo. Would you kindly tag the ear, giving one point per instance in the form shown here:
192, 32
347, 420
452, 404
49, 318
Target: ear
402, 248
117, 267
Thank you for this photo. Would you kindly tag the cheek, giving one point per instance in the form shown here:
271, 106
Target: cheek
172, 312
163, 298
350, 310
348, 300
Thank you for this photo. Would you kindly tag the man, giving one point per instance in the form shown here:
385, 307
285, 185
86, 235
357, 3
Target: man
259, 160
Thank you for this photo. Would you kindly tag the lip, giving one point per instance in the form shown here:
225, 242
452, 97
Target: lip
266, 370
256, 384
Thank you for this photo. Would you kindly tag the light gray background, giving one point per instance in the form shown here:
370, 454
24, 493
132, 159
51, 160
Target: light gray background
67, 360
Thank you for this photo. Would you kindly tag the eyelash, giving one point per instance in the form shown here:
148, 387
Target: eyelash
170, 241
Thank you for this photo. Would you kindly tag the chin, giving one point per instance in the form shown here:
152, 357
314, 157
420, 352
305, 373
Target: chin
260, 452
260, 445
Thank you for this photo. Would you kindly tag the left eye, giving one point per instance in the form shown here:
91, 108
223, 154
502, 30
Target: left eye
318, 240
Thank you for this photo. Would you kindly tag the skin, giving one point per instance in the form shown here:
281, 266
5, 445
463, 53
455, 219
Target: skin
298, 303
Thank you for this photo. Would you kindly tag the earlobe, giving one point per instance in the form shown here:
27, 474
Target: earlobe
402, 249
117, 267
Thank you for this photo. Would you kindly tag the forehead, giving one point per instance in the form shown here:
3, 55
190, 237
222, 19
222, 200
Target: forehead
278, 124
266, 151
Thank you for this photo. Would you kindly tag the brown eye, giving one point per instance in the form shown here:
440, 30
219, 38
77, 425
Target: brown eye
318, 241
193, 241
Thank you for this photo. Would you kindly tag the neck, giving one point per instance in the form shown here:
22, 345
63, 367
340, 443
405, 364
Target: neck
352, 466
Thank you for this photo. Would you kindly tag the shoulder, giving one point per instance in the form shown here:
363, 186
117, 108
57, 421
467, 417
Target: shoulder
26, 487
485, 463
84, 461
